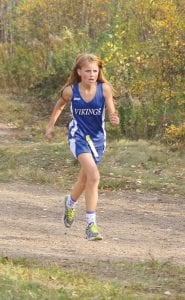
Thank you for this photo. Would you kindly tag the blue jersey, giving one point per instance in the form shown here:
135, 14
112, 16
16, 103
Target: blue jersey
88, 118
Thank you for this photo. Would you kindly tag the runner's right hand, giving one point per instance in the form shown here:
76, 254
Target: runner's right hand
49, 134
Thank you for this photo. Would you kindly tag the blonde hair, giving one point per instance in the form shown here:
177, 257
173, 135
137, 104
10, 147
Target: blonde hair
80, 61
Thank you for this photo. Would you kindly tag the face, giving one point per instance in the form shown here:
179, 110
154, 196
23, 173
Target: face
89, 73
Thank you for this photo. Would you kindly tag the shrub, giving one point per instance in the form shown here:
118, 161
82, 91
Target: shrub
175, 135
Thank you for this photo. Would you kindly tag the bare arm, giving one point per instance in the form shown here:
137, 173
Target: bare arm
58, 108
113, 116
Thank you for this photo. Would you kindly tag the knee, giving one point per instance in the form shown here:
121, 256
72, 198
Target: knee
93, 178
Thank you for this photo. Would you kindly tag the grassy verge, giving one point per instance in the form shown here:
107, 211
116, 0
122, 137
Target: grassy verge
138, 165
150, 280
15, 110
141, 166
144, 166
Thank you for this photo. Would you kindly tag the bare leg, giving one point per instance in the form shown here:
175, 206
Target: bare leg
91, 174
79, 185
87, 181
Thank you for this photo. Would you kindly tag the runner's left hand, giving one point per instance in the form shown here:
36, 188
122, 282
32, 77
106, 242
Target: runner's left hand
114, 118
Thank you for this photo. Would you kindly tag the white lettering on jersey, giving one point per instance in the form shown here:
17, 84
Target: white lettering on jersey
88, 111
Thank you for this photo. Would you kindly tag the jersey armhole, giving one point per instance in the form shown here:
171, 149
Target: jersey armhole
75, 90
101, 88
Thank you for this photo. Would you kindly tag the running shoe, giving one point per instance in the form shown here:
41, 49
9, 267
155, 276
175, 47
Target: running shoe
68, 215
92, 233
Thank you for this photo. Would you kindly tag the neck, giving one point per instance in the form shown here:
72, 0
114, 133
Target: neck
86, 86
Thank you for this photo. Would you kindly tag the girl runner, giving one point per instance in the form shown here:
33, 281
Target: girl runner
89, 93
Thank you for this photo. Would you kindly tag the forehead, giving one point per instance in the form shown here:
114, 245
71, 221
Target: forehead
90, 65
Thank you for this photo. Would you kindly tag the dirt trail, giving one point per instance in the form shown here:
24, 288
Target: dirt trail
135, 226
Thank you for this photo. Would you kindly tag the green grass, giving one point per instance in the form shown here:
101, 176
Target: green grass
14, 110
141, 165
137, 165
21, 279
37, 162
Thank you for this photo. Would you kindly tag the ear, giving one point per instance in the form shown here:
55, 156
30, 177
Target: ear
79, 72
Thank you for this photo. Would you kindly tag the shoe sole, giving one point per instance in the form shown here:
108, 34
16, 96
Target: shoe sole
95, 238
67, 225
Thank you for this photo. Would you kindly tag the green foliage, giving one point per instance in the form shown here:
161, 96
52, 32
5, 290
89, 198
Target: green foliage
140, 41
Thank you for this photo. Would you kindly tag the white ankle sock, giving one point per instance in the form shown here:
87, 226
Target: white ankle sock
90, 216
70, 202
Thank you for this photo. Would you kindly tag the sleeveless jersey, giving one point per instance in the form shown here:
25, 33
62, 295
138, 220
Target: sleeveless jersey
88, 118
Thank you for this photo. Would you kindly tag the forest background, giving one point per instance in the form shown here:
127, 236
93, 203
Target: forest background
142, 44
